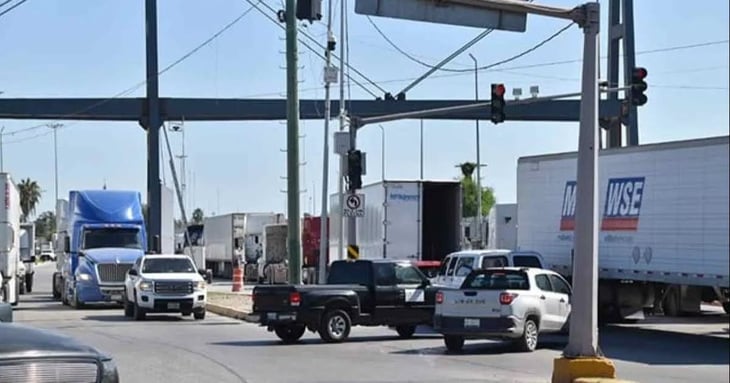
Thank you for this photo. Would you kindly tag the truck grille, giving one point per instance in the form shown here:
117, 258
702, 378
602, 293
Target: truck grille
49, 372
113, 272
167, 287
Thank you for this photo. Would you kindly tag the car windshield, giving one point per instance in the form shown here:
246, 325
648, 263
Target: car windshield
168, 265
497, 280
112, 237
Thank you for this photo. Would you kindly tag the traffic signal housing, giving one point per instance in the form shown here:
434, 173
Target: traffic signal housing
310, 10
354, 169
638, 86
498, 91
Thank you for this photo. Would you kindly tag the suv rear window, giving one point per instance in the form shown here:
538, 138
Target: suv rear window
497, 280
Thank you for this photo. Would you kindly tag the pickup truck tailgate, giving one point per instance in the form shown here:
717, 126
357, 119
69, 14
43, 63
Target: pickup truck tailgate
470, 303
272, 298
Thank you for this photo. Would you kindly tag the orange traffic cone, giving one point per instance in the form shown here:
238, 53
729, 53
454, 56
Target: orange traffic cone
237, 279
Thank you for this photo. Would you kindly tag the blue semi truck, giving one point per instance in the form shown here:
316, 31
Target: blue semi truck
103, 234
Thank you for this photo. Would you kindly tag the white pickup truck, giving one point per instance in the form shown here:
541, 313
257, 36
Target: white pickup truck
503, 303
164, 284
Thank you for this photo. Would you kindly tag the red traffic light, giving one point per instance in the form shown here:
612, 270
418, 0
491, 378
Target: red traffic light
640, 73
499, 90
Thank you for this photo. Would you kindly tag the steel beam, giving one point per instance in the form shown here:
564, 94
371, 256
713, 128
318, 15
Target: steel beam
210, 109
152, 123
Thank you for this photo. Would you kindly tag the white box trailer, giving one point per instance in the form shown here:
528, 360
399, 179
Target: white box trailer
9, 240
235, 236
502, 226
410, 220
663, 239
167, 236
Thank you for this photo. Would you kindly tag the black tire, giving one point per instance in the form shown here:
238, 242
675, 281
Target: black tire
335, 326
199, 314
454, 343
28, 283
186, 313
530, 335
671, 304
77, 304
726, 307
405, 332
128, 308
21, 288
138, 312
56, 293
289, 333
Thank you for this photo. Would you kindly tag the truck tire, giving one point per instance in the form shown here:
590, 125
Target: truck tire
21, 287
28, 283
138, 312
726, 307
199, 314
405, 332
454, 343
17, 292
128, 308
335, 326
77, 304
54, 288
289, 333
528, 341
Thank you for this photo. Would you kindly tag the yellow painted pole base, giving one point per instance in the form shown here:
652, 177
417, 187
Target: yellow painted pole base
567, 370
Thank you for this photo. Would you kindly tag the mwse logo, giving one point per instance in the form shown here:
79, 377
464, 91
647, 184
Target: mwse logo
621, 208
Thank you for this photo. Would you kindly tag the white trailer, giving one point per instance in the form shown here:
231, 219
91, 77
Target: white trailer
167, 236
9, 240
663, 223
502, 226
408, 220
235, 239
273, 265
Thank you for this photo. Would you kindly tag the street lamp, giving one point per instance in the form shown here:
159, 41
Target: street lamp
479, 162
382, 152
55, 127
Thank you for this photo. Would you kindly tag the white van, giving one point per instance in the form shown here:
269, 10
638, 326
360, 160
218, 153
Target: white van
456, 266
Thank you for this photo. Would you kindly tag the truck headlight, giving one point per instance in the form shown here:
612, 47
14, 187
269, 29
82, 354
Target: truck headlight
145, 286
83, 277
200, 285
109, 372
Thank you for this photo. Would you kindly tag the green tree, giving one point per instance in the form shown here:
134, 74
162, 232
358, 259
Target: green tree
470, 192
30, 194
45, 225
198, 216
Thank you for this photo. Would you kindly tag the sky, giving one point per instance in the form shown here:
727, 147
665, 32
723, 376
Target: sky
93, 48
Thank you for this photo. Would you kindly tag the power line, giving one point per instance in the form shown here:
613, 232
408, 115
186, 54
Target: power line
5, 2
16, 5
142, 83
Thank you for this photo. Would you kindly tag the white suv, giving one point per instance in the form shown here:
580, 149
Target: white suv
164, 284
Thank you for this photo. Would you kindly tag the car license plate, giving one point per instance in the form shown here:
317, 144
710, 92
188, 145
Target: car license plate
470, 322
271, 316
173, 306
116, 297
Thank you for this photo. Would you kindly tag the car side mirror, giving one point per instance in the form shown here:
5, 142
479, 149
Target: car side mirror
66, 245
202, 273
133, 272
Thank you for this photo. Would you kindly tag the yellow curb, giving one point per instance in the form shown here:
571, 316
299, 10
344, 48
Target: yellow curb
567, 370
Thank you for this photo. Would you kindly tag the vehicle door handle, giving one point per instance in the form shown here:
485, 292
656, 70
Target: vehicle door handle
562, 300
542, 297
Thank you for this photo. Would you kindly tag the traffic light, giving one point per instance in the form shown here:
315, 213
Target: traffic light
354, 169
310, 10
638, 86
498, 91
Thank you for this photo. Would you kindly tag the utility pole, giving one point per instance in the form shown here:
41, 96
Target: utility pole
323, 238
343, 113
292, 153
55, 127
479, 161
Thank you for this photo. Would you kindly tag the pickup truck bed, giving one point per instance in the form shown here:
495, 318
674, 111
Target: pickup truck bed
379, 293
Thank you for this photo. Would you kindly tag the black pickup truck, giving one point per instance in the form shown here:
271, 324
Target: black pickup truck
357, 293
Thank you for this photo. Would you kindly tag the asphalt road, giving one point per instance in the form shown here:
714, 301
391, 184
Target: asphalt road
170, 348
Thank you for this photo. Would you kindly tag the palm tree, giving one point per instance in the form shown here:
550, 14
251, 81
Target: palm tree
30, 194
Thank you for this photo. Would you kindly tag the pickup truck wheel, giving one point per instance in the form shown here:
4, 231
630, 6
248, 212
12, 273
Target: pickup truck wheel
454, 343
128, 308
405, 332
289, 333
335, 326
528, 340
138, 312
199, 314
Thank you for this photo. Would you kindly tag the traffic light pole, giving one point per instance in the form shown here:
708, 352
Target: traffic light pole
352, 219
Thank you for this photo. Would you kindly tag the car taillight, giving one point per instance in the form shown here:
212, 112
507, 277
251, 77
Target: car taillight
507, 298
295, 299
439, 297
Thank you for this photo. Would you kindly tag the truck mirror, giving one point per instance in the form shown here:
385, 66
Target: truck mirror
66, 244
132, 272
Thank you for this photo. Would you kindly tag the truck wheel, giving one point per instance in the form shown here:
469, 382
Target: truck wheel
28, 283
289, 333
54, 288
528, 341
335, 326
405, 332
454, 343
128, 308
726, 307
21, 287
17, 292
138, 312
199, 314
671, 304
78, 305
